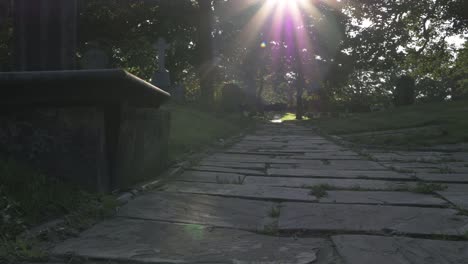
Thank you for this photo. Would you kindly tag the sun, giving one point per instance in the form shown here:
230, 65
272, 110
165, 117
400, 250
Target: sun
284, 3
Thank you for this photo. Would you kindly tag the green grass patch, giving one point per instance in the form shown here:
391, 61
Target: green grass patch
192, 128
427, 188
320, 190
291, 117
275, 211
440, 123
29, 198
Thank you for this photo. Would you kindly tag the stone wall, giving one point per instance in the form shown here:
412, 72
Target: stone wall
78, 144
143, 145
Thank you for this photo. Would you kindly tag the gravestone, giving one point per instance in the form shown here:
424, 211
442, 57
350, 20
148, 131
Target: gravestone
178, 93
161, 77
45, 34
94, 57
102, 129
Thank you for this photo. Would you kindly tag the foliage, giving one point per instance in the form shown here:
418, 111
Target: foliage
320, 191
20, 250
428, 188
11, 220
356, 49
29, 198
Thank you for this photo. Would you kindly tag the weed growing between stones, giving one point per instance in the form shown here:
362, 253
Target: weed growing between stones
400, 170
427, 188
270, 229
320, 190
446, 170
28, 198
275, 211
228, 181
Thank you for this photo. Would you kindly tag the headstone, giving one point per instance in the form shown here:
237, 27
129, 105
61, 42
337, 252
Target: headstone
45, 34
94, 57
161, 77
178, 93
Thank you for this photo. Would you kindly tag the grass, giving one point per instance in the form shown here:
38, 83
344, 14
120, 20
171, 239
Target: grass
193, 129
29, 198
292, 117
445, 123
275, 211
237, 181
320, 190
446, 170
400, 170
427, 188
270, 229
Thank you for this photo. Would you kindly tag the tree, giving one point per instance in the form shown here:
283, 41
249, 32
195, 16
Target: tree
205, 42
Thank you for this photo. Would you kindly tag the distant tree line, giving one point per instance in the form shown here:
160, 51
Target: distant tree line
357, 53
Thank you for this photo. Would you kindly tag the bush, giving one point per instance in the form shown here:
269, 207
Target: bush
11, 217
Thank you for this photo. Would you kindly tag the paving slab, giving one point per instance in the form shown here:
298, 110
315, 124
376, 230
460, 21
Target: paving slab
337, 183
456, 187
212, 177
371, 218
357, 249
227, 164
238, 158
382, 198
200, 209
242, 191
296, 172
128, 240
228, 170
345, 165
429, 167
460, 199
331, 155
439, 177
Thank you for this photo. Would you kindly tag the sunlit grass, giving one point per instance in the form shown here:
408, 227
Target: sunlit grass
291, 117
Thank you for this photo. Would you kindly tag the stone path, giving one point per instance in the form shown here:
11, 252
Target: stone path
287, 195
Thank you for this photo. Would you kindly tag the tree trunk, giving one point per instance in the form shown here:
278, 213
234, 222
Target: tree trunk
205, 42
259, 102
299, 91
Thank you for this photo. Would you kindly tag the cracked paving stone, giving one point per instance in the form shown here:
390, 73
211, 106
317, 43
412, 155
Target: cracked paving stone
459, 199
152, 242
212, 177
393, 198
358, 249
439, 177
336, 183
228, 170
338, 173
200, 209
244, 191
372, 218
